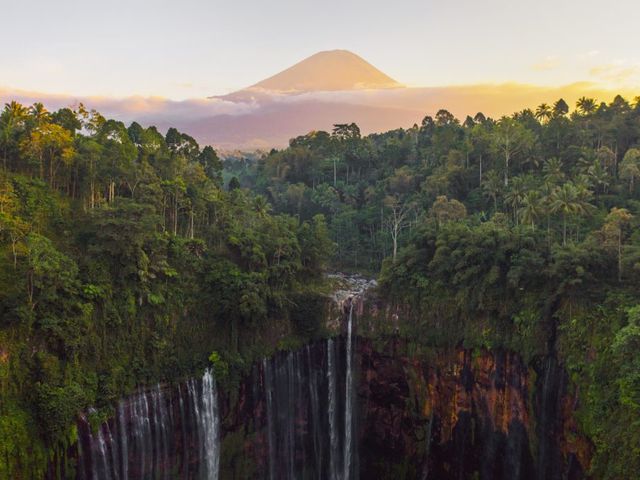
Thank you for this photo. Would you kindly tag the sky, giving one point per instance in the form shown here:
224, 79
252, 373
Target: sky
183, 49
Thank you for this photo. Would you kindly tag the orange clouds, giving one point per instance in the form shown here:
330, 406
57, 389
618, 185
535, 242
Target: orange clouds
272, 120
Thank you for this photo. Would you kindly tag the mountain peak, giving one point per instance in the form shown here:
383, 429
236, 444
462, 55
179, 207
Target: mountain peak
330, 70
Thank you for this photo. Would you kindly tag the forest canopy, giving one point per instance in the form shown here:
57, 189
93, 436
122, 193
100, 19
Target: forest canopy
128, 256
124, 261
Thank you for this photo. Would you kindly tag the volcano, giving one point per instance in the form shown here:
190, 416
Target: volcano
329, 71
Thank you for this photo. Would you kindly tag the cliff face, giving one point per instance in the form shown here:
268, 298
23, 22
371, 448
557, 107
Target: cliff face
448, 415
459, 415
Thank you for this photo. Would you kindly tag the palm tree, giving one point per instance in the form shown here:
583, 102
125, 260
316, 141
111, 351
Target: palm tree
11, 118
563, 201
38, 113
261, 206
598, 176
552, 169
515, 195
533, 208
586, 105
492, 187
560, 108
568, 200
543, 112
583, 198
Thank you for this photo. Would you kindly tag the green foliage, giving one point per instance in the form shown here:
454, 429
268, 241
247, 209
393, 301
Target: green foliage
220, 367
548, 170
124, 262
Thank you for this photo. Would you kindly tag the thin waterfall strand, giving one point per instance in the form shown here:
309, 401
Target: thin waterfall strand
348, 407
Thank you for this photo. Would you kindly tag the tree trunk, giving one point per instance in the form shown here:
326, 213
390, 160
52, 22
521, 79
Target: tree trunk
14, 250
620, 254
395, 241
192, 226
506, 170
175, 214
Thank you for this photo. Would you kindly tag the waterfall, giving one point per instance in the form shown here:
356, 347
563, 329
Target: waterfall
332, 413
296, 423
268, 386
348, 402
210, 426
308, 417
124, 452
316, 419
147, 439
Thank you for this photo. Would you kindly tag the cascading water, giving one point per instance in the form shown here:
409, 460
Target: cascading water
303, 402
210, 426
309, 417
148, 439
333, 433
348, 402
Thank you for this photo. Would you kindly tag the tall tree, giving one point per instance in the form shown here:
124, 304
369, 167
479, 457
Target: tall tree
12, 119
543, 112
511, 138
630, 167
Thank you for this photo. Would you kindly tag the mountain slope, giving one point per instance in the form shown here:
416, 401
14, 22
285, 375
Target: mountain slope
325, 71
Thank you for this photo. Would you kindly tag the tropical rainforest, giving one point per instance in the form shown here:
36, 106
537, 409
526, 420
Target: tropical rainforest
129, 257
124, 261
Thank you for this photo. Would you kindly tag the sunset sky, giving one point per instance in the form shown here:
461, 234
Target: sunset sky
194, 48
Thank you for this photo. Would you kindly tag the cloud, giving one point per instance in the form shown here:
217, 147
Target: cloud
139, 108
270, 121
589, 54
548, 63
619, 72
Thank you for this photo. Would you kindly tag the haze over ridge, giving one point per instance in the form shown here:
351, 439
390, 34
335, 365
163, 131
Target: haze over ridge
335, 86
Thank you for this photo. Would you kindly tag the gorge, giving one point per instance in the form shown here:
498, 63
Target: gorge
168, 313
348, 407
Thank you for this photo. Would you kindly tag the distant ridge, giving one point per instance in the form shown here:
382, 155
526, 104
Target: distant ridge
333, 70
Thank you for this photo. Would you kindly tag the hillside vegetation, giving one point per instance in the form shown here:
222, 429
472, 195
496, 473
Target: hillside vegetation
519, 232
125, 259
124, 262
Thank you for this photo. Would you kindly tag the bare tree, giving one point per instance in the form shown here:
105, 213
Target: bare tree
396, 221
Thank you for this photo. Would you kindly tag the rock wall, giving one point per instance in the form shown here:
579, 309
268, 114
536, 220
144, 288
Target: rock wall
458, 415
436, 415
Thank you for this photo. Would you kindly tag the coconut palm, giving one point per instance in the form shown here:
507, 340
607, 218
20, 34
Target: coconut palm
515, 195
261, 206
563, 202
11, 119
533, 208
584, 195
543, 112
598, 176
569, 200
586, 105
552, 169
492, 187
39, 114
560, 108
